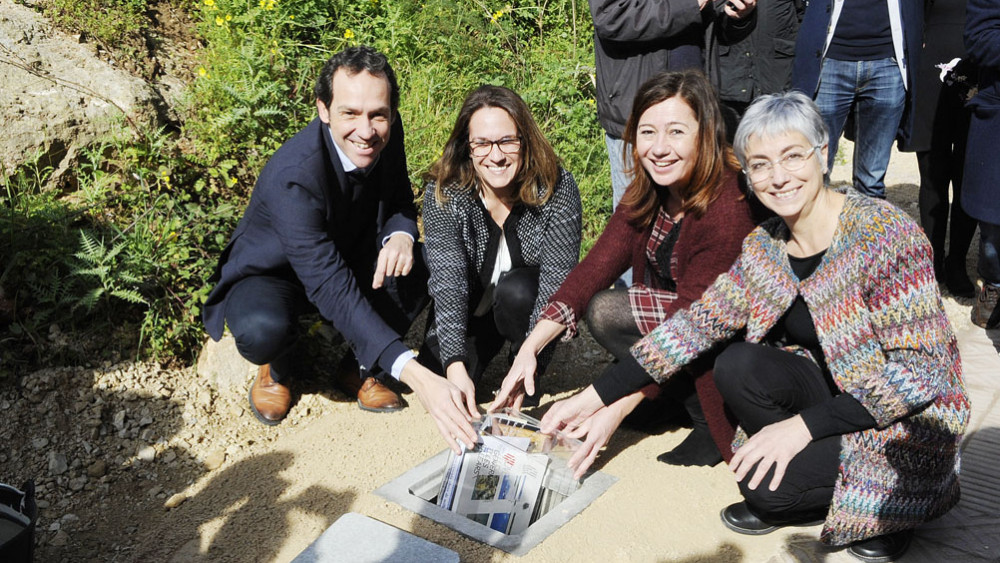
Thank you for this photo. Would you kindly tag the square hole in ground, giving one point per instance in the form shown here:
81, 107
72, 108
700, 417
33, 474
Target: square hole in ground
417, 490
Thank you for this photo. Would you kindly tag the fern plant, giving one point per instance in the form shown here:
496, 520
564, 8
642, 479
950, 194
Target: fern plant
102, 264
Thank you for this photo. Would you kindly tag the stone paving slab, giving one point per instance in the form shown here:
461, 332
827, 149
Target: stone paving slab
355, 538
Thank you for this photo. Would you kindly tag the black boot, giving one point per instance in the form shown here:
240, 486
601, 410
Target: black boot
882, 549
699, 447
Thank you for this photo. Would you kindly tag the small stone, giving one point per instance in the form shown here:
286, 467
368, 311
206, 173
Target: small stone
39, 443
57, 463
146, 453
214, 459
77, 483
155, 490
98, 468
168, 456
60, 539
68, 518
175, 501
54, 527
119, 420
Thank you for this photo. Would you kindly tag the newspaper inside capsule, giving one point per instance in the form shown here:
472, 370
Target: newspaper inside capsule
513, 476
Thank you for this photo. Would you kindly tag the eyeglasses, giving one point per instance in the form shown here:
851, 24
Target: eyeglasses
507, 145
760, 170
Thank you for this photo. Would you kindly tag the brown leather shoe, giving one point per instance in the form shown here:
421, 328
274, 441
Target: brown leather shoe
375, 397
269, 400
372, 395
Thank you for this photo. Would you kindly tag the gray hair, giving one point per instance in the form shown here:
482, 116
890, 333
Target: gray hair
776, 114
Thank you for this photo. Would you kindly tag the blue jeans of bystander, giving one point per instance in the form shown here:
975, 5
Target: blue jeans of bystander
875, 89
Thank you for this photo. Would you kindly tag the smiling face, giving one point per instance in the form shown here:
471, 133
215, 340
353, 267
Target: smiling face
497, 169
667, 142
359, 115
790, 195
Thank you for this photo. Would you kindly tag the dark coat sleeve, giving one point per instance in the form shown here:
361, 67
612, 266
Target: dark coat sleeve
643, 20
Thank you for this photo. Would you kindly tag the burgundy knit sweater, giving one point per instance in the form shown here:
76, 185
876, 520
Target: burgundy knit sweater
706, 247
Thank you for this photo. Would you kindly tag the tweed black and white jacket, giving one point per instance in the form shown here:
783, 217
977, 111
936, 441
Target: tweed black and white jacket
462, 240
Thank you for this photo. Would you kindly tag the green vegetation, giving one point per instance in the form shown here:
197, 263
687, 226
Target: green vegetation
128, 251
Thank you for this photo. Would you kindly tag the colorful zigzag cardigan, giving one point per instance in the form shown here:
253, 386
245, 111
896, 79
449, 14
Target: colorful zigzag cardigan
882, 327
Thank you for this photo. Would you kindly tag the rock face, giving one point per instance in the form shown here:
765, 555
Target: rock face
57, 96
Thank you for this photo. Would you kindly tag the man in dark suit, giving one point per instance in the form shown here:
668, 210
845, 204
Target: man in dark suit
331, 227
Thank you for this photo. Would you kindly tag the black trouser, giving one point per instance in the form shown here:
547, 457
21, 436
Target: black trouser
939, 168
506, 321
763, 385
262, 313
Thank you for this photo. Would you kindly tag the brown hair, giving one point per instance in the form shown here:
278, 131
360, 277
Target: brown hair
714, 153
539, 164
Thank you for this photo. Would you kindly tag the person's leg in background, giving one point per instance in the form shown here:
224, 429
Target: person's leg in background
619, 182
837, 84
986, 309
880, 100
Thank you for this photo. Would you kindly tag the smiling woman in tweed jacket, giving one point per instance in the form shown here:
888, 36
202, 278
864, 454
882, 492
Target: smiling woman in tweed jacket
848, 387
502, 225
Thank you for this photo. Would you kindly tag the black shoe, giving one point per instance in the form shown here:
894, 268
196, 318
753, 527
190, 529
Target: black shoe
882, 549
738, 518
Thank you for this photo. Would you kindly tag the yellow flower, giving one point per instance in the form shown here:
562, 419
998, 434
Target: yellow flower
348, 34
291, 17
202, 72
228, 17
232, 181
209, 2
219, 21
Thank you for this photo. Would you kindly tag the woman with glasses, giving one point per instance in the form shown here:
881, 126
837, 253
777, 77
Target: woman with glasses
679, 226
502, 226
848, 387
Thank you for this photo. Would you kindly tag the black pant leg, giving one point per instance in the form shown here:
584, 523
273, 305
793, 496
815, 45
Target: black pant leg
763, 385
262, 314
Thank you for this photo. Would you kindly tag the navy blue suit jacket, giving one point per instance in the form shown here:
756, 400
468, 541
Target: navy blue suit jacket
811, 41
304, 222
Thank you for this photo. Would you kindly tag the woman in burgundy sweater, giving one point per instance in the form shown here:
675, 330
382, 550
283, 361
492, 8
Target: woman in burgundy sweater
680, 225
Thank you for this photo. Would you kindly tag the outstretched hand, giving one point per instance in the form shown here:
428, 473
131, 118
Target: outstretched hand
775, 444
459, 376
568, 414
446, 404
520, 380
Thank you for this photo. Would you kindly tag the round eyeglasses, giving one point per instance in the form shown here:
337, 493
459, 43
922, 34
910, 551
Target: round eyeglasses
507, 145
761, 170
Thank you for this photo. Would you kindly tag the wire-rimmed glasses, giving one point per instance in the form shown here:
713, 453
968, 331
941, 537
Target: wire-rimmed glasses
760, 170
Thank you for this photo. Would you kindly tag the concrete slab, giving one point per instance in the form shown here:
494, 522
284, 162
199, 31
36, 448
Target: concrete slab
355, 538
